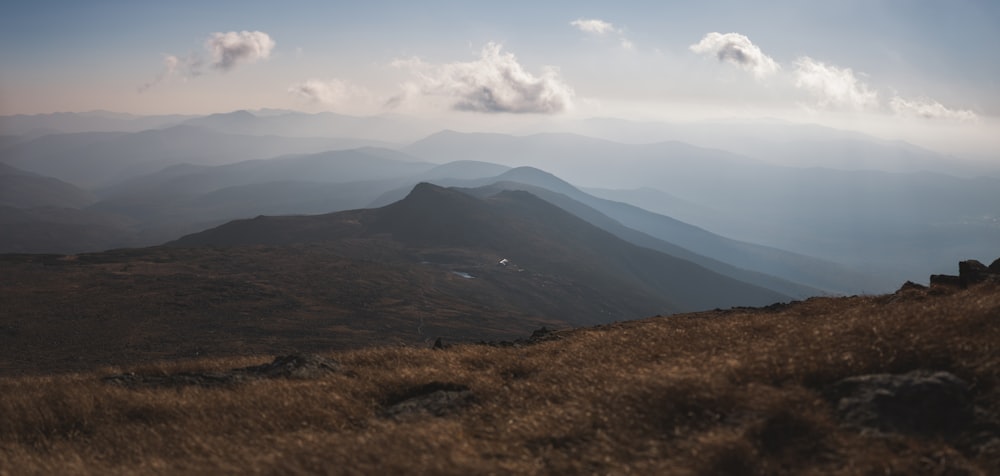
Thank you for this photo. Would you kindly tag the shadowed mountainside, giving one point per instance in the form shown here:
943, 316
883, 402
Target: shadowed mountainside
644, 240
516, 225
424, 267
891, 226
675, 237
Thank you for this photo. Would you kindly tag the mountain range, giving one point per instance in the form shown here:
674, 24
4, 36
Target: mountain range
820, 229
550, 244
438, 263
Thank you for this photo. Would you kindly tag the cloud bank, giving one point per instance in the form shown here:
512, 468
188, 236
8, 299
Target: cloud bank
833, 87
928, 108
330, 92
737, 49
495, 83
829, 86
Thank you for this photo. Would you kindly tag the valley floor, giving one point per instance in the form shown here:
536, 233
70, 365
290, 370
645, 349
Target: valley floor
745, 391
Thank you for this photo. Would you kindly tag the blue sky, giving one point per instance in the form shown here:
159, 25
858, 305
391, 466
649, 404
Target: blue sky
882, 59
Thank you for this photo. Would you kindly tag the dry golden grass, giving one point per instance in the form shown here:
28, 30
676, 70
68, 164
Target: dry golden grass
732, 392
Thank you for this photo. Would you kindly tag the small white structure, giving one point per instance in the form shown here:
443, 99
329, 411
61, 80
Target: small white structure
503, 262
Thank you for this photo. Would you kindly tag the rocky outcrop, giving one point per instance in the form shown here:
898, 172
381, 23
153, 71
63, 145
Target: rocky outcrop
294, 366
969, 272
288, 366
538, 336
435, 399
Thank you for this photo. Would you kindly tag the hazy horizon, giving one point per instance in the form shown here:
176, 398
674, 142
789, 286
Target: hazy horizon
894, 70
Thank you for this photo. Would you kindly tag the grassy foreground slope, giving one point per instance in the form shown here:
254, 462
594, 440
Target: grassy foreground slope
744, 391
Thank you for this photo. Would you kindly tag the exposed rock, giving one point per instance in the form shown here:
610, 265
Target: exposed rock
184, 379
435, 398
969, 272
543, 334
945, 280
972, 271
923, 402
911, 286
288, 366
293, 366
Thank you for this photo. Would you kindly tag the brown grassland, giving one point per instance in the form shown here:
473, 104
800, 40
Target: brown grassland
725, 392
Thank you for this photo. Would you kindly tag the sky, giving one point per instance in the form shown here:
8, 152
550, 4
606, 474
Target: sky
911, 69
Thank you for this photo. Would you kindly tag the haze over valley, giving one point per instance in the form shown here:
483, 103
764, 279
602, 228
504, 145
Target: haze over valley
90, 191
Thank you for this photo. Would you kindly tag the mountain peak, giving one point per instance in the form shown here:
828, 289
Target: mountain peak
428, 191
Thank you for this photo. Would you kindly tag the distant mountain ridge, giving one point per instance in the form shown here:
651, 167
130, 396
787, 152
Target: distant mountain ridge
687, 241
101, 159
888, 225
575, 257
22, 189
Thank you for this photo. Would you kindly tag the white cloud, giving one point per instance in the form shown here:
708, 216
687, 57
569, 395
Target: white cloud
928, 108
233, 48
495, 83
227, 51
833, 87
597, 27
330, 92
739, 50
186, 67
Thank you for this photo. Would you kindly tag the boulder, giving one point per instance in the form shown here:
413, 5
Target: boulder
435, 399
293, 366
922, 402
972, 271
945, 280
911, 286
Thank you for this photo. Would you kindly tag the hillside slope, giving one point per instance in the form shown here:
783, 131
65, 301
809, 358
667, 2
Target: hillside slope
750, 391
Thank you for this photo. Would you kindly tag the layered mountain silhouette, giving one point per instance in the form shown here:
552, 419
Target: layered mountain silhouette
44, 214
22, 189
161, 177
101, 159
884, 224
786, 272
377, 129
596, 274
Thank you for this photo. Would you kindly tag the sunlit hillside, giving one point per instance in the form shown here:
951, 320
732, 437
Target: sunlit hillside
746, 391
